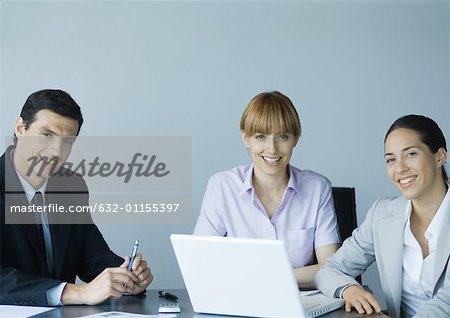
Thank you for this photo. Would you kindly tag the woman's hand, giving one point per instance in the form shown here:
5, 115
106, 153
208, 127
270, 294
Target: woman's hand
360, 299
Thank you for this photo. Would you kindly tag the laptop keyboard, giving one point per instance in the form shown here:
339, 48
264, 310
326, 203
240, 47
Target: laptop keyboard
309, 303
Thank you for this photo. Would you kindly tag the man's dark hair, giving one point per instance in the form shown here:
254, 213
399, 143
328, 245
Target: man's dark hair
54, 100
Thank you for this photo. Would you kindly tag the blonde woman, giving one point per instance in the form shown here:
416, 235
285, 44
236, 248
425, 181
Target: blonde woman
271, 199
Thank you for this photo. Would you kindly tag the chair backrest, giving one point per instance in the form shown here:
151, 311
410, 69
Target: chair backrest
345, 207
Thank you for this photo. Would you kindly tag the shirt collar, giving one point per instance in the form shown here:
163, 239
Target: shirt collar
248, 184
293, 182
29, 189
408, 212
434, 228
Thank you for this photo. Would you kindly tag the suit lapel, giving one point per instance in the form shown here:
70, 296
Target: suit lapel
15, 196
391, 236
442, 250
32, 234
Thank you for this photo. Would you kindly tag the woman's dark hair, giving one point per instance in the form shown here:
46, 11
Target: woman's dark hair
429, 133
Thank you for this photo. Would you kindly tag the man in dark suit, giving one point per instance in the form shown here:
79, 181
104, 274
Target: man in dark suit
40, 259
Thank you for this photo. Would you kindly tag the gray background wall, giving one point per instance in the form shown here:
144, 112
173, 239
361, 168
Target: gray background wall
186, 68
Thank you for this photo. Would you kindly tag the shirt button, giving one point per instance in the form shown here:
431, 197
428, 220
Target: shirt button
428, 235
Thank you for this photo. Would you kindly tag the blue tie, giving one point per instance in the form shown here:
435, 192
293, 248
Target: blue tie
41, 219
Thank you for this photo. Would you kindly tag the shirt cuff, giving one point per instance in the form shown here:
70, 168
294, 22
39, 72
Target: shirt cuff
54, 295
339, 291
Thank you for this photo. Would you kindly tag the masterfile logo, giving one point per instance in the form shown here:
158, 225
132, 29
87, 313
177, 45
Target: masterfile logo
134, 180
140, 166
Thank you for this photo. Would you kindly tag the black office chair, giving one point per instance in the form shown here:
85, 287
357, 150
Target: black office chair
345, 207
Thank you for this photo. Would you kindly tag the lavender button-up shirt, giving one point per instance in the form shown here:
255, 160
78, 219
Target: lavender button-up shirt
305, 219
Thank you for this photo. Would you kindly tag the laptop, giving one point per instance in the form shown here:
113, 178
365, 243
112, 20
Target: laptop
244, 277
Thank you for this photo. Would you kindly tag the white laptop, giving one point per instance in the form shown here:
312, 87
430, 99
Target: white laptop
244, 277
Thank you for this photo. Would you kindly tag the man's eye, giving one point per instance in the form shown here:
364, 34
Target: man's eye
411, 154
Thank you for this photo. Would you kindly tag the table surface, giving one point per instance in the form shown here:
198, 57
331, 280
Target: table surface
148, 304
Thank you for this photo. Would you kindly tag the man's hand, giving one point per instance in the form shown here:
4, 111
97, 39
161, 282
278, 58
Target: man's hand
360, 299
111, 283
141, 271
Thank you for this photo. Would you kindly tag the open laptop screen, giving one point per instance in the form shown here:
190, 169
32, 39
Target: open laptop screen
235, 276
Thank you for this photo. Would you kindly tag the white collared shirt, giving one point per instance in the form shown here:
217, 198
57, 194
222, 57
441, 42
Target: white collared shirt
30, 190
418, 272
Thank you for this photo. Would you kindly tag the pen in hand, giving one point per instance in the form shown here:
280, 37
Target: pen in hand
133, 255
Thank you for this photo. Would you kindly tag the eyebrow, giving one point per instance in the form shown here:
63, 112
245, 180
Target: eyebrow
403, 150
48, 130
70, 137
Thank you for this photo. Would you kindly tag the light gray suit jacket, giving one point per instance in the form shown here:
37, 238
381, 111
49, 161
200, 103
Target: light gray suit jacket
380, 239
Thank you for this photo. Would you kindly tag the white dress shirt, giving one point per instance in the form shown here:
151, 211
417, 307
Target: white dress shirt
418, 272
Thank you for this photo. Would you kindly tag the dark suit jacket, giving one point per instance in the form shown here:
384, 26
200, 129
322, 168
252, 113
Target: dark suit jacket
78, 249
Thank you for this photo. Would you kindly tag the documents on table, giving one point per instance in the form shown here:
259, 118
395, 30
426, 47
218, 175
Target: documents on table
8, 311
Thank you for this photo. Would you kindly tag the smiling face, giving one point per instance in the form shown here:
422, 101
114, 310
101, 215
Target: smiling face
270, 152
411, 166
44, 146
270, 129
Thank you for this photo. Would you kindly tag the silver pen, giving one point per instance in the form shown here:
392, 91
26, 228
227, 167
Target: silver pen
133, 255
